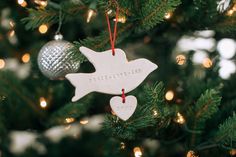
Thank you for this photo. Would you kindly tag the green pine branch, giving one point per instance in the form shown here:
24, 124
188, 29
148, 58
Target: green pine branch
50, 15
125, 7
70, 110
152, 113
153, 12
226, 135
11, 87
75, 49
102, 41
155, 94
127, 130
39, 17
226, 26
205, 108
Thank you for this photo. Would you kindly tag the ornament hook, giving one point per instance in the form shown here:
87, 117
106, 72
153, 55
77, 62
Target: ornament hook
59, 22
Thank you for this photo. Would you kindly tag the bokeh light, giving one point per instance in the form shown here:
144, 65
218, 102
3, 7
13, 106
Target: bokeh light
43, 29
69, 120
20, 1
91, 13
169, 95
25, 58
11, 33
180, 59
137, 152
226, 48
41, 3
199, 56
226, 68
207, 63
2, 63
43, 102
168, 15
121, 19
83, 121
179, 118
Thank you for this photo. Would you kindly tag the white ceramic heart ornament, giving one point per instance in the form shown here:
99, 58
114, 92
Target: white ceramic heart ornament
123, 110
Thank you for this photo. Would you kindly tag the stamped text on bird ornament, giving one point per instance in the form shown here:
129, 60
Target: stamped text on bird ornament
112, 73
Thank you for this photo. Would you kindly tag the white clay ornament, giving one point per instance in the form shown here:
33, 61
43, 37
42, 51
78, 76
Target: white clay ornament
123, 110
113, 73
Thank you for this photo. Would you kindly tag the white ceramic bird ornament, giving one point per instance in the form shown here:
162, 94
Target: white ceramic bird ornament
113, 73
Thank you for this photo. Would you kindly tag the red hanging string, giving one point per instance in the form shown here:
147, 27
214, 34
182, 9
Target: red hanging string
112, 39
123, 95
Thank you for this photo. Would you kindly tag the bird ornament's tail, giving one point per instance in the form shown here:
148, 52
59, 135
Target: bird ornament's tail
81, 83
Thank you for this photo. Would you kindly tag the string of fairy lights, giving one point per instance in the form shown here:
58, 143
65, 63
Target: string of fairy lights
91, 13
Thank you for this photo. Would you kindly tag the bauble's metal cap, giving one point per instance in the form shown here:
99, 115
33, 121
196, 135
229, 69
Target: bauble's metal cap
58, 36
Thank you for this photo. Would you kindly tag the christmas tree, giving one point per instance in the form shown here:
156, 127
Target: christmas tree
185, 107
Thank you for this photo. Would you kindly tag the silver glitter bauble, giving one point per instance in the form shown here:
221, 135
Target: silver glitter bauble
55, 59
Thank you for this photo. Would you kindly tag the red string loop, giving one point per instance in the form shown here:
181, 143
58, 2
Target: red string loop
123, 95
112, 39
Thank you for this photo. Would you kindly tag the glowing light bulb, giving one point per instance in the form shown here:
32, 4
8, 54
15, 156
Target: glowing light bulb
43, 102
91, 13
24, 4
121, 19
230, 12
69, 120
191, 154
12, 23
137, 152
180, 59
169, 95
2, 63
180, 119
20, 1
43, 29
167, 15
41, 3
25, 58
109, 12
83, 121
155, 113
207, 63
122, 145
11, 33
